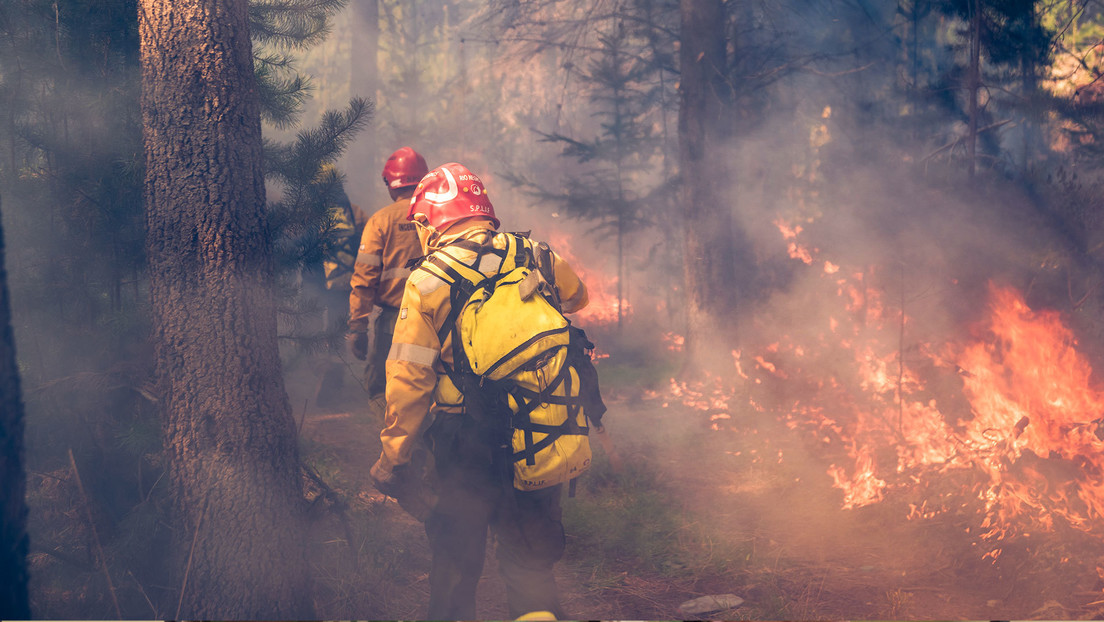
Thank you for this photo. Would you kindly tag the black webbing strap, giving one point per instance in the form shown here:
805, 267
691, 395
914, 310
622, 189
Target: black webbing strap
528, 401
460, 289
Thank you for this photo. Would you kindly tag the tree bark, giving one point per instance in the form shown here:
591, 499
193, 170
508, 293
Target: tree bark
228, 429
709, 263
13, 508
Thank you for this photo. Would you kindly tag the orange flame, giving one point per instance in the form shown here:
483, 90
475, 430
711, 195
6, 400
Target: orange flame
601, 289
1033, 434
790, 233
1028, 432
674, 341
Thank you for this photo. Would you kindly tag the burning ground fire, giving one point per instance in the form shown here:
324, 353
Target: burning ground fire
602, 289
1007, 422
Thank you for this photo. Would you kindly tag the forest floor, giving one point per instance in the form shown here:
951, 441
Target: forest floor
747, 509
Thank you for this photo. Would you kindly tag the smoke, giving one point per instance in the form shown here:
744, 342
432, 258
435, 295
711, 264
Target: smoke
862, 231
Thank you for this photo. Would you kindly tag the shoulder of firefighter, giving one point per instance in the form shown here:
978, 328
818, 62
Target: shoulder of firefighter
387, 245
421, 349
360, 216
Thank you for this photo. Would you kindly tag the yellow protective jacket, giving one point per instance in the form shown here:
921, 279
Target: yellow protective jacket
416, 378
388, 243
347, 227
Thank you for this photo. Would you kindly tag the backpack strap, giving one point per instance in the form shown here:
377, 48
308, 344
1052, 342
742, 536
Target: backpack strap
528, 401
415, 262
546, 266
538, 257
464, 281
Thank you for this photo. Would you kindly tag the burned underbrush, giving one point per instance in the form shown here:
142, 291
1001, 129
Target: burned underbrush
97, 497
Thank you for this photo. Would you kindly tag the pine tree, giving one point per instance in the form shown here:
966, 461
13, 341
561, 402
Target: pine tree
619, 178
1005, 44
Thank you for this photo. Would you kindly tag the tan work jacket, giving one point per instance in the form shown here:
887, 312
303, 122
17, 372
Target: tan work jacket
416, 378
388, 243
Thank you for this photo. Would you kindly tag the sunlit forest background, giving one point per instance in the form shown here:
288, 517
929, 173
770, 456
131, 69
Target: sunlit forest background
896, 414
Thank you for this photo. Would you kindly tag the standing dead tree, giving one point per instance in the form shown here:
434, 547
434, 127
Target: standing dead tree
711, 282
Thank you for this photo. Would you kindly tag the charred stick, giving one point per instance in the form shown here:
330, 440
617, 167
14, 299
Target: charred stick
144, 595
95, 535
901, 362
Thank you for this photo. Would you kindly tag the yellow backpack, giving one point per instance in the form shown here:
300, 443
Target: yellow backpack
524, 370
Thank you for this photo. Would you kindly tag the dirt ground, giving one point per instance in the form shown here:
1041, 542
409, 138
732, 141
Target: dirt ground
752, 486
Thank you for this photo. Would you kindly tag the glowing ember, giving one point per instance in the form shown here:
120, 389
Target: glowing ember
674, 341
795, 250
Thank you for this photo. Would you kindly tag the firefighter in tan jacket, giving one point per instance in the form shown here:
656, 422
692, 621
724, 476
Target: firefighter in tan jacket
424, 408
389, 242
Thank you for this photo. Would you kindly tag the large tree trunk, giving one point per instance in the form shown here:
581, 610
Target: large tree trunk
711, 280
229, 433
13, 508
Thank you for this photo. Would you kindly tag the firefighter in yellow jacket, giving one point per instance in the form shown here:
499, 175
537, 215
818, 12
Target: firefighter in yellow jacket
337, 269
389, 242
454, 216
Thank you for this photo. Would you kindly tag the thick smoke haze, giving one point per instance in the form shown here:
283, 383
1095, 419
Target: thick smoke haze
875, 260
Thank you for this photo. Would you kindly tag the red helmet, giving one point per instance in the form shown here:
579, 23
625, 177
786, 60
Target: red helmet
449, 193
405, 167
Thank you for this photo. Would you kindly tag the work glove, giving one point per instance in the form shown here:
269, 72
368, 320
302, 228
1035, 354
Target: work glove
405, 485
358, 345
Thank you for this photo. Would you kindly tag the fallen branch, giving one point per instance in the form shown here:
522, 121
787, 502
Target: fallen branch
63, 557
957, 141
332, 501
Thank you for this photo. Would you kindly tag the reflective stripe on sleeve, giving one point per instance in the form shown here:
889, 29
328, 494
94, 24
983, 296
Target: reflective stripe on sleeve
395, 273
369, 260
419, 355
489, 264
429, 284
